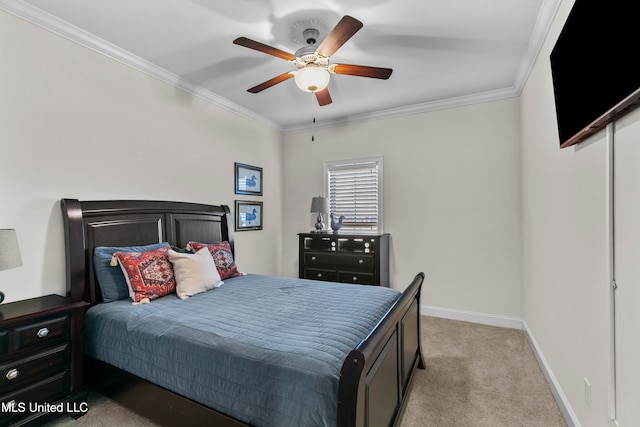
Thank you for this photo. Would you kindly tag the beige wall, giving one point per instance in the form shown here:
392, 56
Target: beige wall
74, 123
451, 199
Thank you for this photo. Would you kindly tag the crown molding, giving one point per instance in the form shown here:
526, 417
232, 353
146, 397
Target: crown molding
426, 107
538, 36
64, 29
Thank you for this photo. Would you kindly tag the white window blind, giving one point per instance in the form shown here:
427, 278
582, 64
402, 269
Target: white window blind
354, 189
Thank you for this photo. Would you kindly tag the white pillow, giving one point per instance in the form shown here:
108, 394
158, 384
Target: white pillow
194, 273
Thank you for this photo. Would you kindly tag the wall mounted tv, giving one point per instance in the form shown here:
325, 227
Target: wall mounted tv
594, 68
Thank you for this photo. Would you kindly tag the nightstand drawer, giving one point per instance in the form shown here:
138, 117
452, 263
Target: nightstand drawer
40, 333
352, 277
48, 390
317, 274
18, 373
4, 342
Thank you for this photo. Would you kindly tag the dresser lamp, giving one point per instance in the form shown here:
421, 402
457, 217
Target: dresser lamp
9, 252
319, 205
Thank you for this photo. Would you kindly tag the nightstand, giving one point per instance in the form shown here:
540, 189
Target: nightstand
41, 358
349, 258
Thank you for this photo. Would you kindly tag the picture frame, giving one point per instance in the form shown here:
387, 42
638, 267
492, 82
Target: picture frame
249, 215
248, 179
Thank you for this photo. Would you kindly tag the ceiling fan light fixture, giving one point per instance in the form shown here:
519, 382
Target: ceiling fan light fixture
313, 64
312, 79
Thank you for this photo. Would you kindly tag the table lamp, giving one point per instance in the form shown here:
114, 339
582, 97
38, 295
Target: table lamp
319, 205
9, 252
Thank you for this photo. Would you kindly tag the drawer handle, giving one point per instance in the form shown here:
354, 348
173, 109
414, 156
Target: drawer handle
12, 374
360, 261
313, 258
319, 275
355, 278
43, 332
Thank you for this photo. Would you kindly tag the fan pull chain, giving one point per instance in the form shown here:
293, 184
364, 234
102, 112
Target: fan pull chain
313, 122
313, 115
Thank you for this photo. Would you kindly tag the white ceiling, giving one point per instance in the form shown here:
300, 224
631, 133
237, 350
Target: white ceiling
443, 53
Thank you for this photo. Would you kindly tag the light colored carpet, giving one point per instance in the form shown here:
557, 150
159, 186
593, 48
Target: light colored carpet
475, 376
478, 376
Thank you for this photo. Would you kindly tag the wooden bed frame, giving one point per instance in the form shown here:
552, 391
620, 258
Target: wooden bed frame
375, 376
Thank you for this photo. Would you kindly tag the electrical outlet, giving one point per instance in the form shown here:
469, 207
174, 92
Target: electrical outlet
587, 392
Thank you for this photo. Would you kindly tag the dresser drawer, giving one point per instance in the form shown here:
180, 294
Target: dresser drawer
41, 333
354, 277
48, 390
318, 274
361, 261
18, 373
320, 243
314, 258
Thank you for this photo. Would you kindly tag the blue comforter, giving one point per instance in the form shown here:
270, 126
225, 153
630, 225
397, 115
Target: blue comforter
264, 350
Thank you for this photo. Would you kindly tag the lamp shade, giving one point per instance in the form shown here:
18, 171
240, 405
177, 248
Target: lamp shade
319, 205
9, 250
312, 79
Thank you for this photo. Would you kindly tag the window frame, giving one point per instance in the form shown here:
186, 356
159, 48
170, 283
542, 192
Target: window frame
379, 162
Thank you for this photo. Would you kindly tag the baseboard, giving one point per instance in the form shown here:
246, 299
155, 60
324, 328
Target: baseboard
563, 403
473, 317
513, 323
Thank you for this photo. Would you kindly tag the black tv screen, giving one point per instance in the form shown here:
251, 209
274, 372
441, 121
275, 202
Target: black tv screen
594, 67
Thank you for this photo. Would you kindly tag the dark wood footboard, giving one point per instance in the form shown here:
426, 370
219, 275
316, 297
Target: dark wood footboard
376, 375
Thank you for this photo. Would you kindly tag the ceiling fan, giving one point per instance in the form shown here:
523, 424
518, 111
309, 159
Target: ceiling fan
312, 63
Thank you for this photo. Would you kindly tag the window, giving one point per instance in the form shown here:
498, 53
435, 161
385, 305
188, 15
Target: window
354, 189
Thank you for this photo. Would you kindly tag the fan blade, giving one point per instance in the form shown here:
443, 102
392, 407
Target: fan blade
323, 96
274, 81
361, 70
343, 31
261, 47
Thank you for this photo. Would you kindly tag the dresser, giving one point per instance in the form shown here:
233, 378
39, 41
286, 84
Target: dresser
349, 258
41, 360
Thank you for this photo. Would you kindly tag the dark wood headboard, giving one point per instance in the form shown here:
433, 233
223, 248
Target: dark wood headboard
88, 224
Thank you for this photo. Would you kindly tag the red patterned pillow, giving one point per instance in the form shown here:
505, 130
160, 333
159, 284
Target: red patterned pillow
149, 274
222, 256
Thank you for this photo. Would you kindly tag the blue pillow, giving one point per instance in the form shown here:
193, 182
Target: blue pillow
111, 280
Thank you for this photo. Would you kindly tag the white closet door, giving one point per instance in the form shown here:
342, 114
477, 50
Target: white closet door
627, 267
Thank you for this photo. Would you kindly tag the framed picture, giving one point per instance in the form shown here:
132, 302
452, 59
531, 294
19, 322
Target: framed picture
248, 179
248, 215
